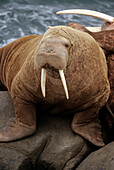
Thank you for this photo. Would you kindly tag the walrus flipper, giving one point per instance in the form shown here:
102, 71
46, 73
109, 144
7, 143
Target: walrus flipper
88, 126
23, 125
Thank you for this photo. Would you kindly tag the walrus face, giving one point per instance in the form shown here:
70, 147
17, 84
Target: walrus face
52, 56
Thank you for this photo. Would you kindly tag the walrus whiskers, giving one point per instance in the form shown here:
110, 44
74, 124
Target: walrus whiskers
64, 83
43, 81
91, 13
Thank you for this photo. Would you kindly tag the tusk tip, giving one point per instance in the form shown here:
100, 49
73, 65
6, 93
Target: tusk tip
57, 12
43, 94
67, 98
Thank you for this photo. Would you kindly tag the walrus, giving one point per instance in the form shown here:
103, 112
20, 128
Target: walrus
64, 71
104, 35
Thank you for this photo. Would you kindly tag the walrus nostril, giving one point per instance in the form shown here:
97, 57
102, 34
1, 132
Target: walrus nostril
49, 49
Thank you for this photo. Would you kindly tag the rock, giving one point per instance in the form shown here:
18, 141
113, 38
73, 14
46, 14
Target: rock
64, 149
101, 159
53, 146
6, 107
11, 159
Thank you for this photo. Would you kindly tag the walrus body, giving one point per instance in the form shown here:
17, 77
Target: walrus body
105, 39
84, 65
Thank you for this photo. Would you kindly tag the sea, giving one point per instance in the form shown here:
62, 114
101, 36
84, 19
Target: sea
26, 17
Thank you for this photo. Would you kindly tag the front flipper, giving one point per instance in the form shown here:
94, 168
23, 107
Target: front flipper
88, 126
23, 125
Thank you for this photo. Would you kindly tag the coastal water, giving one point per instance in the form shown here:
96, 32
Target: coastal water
24, 17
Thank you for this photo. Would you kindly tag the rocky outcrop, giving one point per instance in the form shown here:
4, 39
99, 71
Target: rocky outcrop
53, 146
103, 159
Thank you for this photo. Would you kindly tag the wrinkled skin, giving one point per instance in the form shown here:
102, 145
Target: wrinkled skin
84, 65
105, 39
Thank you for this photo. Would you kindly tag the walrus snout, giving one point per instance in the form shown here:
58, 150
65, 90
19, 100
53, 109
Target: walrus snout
52, 55
54, 61
49, 49
57, 61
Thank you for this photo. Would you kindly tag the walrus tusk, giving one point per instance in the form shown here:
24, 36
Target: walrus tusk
91, 13
64, 83
94, 29
43, 81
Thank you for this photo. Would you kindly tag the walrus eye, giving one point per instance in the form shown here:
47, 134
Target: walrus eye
66, 45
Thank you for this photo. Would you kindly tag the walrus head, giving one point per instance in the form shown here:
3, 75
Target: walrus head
61, 52
53, 54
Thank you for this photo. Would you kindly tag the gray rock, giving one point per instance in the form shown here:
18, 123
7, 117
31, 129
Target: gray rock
11, 159
53, 146
103, 159
6, 107
64, 149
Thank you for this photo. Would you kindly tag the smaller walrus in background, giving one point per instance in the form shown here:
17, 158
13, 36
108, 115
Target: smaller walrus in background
44, 64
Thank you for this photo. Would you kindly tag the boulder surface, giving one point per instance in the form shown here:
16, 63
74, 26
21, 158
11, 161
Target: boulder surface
53, 146
102, 159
